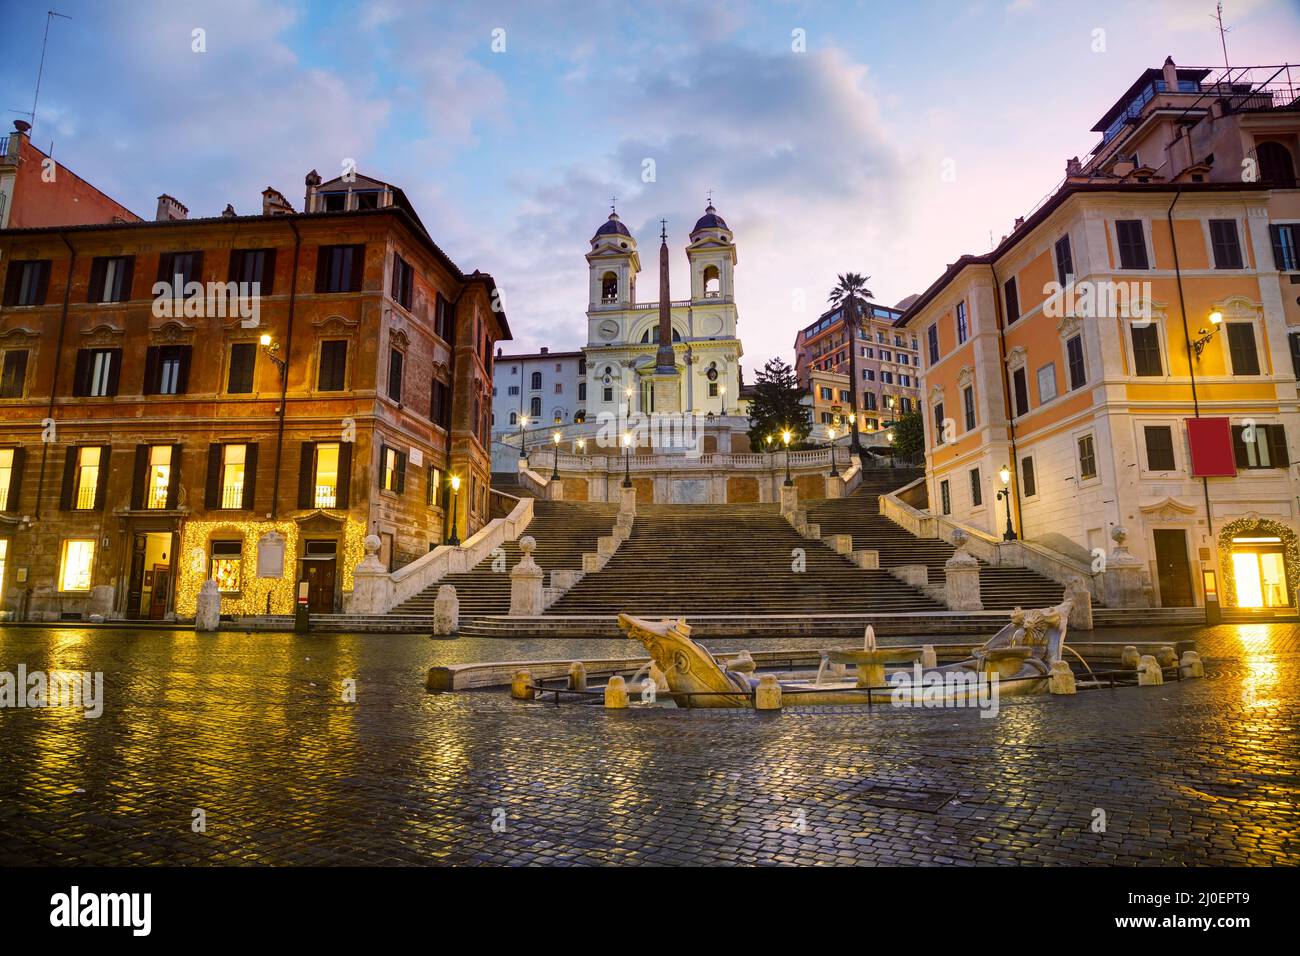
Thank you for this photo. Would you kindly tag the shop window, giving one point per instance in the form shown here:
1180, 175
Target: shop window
227, 565
76, 562
159, 478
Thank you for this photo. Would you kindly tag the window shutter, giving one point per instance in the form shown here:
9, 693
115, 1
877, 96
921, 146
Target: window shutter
151, 370
307, 475
16, 480
139, 476
401, 473
95, 290
69, 473
358, 268
128, 277
81, 374
1239, 448
174, 479
165, 268
212, 486
345, 475
268, 274
1279, 256
250, 477
13, 276
43, 282
183, 373
105, 453
1277, 446
197, 262
236, 262
323, 256
114, 369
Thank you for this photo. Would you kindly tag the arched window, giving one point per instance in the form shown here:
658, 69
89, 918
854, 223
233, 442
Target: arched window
645, 337
514, 418
712, 282
537, 380
535, 407
557, 415
1275, 165
579, 416
609, 287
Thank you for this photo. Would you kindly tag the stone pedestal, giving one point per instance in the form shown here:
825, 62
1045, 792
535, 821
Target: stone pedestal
1122, 581
626, 501
928, 656
667, 391
446, 611
1191, 666
913, 575
371, 582
1129, 657
526, 582
616, 693
1061, 679
577, 676
961, 574
1149, 673
789, 501
207, 607
767, 695
521, 687
1080, 604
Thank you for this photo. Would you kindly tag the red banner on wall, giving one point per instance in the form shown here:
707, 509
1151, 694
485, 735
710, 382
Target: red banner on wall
1211, 443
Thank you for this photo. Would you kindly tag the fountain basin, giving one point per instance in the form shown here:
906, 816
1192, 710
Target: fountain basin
871, 664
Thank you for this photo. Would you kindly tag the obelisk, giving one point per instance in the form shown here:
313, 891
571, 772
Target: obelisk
667, 386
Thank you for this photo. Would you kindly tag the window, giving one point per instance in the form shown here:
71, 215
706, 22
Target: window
96, 373
1160, 447
1046, 383
907, 405
232, 471
886, 378
433, 493
178, 269
110, 279
963, 331
1064, 261
559, 388
976, 489
392, 470
227, 562
582, 391
945, 498
535, 382
327, 476
1241, 346
606, 394
1227, 248
1146, 350
157, 477
444, 321
11, 476
1020, 388
1294, 339
333, 366
1028, 481
938, 423
1275, 165
1012, 298
932, 339
968, 404
166, 369
868, 375
84, 477
254, 268
1087, 458
1074, 357
1263, 446
885, 355
440, 406
1286, 258
13, 379
243, 360
535, 407
1132, 244
76, 562
26, 282
339, 268
403, 281
395, 375
869, 401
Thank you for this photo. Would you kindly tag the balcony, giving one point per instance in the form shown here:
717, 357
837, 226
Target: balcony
326, 496
232, 496
86, 490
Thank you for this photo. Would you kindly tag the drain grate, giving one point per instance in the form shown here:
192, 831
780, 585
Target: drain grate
894, 797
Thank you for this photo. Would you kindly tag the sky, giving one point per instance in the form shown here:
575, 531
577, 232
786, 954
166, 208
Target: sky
883, 138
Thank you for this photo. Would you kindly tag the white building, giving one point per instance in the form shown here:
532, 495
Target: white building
547, 388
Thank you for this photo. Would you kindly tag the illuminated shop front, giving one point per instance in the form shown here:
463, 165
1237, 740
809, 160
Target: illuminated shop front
1261, 564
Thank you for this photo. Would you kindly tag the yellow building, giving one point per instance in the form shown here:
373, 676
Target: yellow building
1130, 353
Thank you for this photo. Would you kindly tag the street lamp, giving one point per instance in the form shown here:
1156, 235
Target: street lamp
831, 432
455, 500
722, 393
785, 437
1005, 494
555, 470
1216, 320
627, 459
582, 445
272, 347
523, 423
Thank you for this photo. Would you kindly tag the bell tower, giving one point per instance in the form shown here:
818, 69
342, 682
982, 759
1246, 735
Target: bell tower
712, 253
613, 264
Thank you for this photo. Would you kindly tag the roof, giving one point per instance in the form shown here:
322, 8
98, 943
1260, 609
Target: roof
710, 220
613, 226
1049, 207
1148, 76
525, 356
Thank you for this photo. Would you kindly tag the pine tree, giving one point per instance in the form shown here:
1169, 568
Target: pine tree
777, 406
909, 437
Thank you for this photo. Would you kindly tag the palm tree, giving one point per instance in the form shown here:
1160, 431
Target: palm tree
850, 296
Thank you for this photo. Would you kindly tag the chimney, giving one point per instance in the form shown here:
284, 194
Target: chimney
545, 350
16, 139
274, 203
228, 212
1020, 221
1073, 167
170, 208
313, 180
1171, 75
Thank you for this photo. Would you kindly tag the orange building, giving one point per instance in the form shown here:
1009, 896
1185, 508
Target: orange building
241, 398
1130, 353
36, 191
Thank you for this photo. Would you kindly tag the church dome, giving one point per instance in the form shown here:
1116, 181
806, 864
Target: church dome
613, 226
710, 220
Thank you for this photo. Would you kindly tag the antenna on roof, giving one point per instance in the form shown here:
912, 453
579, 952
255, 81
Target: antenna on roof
50, 15
1223, 41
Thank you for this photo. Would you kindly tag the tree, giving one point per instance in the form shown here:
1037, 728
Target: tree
850, 295
909, 436
776, 406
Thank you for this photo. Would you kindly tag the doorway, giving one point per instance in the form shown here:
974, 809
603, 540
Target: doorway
149, 586
319, 570
1259, 572
1173, 569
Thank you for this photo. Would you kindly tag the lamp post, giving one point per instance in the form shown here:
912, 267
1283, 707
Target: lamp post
523, 423
582, 445
273, 347
785, 437
831, 431
1005, 494
555, 469
627, 459
722, 393
454, 540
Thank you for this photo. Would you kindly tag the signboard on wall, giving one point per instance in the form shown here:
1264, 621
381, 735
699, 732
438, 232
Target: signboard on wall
1210, 440
270, 555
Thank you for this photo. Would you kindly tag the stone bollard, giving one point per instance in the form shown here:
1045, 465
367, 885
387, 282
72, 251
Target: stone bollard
577, 676
207, 610
1080, 604
767, 695
521, 688
526, 582
627, 501
616, 693
446, 611
789, 500
1149, 673
1061, 679
1166, 657
928, 656
1129, 657
961, 583
1191, 666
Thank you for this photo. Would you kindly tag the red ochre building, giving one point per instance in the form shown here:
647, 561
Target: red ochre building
142, 453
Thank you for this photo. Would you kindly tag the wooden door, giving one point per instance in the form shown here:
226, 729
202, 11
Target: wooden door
1174, 569
319, 575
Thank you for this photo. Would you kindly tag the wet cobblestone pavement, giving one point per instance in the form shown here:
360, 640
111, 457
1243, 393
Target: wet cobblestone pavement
251, 729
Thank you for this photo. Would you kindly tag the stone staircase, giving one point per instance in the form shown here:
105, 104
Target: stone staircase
858, 514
